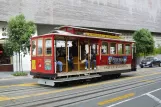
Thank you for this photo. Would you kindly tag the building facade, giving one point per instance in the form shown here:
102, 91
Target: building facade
122, 16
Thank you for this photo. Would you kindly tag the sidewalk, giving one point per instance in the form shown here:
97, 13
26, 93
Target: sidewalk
8, 75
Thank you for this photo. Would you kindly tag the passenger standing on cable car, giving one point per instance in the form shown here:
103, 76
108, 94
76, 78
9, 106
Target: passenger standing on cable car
74, 49
73, 53
86, 59
71, 65
92, 61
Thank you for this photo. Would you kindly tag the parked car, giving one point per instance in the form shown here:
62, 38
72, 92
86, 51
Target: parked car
150, 62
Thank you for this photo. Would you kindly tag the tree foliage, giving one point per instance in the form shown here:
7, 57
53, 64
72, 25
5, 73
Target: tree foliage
144, 42
19, 33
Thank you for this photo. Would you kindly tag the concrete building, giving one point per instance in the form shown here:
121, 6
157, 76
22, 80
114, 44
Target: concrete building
122, 16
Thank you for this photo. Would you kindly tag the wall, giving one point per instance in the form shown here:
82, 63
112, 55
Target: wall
115, 14
26, 62
157, 39
3, 30
43, 29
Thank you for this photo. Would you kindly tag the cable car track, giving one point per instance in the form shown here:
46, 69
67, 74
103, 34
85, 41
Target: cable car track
48, 87
45, 88
104, 90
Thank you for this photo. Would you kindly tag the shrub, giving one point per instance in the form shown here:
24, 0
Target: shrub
157, 50
19, 74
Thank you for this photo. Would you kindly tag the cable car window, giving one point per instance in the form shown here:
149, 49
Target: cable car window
127, 47
60, 48
94, 48
112, 48
48, 45
33, 47
120, 49
39, 46
104, 48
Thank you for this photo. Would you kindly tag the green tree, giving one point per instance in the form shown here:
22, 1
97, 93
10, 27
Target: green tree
19, 33
144, 42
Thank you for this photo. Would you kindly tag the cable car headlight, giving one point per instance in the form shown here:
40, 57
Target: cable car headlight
39, 65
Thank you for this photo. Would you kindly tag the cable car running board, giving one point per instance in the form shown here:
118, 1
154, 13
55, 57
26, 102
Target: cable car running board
52, 82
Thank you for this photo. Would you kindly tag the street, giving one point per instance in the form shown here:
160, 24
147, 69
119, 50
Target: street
135, 89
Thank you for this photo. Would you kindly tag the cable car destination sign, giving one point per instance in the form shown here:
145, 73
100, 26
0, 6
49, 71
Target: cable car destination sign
102, 35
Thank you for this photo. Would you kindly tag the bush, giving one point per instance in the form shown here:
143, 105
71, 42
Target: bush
157, 50
19, 74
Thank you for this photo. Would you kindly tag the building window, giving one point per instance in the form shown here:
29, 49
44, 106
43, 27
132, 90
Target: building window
112, 48
40, 46
127, 49
48, 45
120, 49
104, 49
33, 47
4, 31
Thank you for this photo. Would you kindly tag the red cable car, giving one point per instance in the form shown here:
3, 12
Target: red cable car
73, 53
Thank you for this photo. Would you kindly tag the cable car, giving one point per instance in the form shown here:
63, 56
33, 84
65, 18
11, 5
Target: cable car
71, 53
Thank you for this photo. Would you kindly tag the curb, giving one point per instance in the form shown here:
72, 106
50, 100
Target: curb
11, 78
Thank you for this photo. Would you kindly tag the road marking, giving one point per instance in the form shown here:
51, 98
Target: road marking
22, 85
132, 98
28, 84
116, 99
154, 98
148, 81
73, 88
4, 98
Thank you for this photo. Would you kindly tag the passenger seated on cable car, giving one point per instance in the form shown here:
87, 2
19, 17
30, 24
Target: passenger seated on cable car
70, 61
92, 61
59, 63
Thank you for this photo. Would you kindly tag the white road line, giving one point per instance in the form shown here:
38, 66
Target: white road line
112, 105
125, 101
154, 98
154, 90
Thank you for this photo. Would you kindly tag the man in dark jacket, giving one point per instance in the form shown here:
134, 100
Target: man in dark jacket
70, 62
93, 60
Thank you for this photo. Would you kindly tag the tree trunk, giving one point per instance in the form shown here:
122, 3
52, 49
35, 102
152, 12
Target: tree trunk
21, 64
19, 60
16, 63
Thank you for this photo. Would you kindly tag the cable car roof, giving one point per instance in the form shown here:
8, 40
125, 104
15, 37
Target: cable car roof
94, 30
68, 34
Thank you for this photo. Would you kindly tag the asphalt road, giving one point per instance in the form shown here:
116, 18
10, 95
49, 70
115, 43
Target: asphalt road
135, 89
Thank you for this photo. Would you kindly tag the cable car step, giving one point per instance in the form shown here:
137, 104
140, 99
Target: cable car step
52, 82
